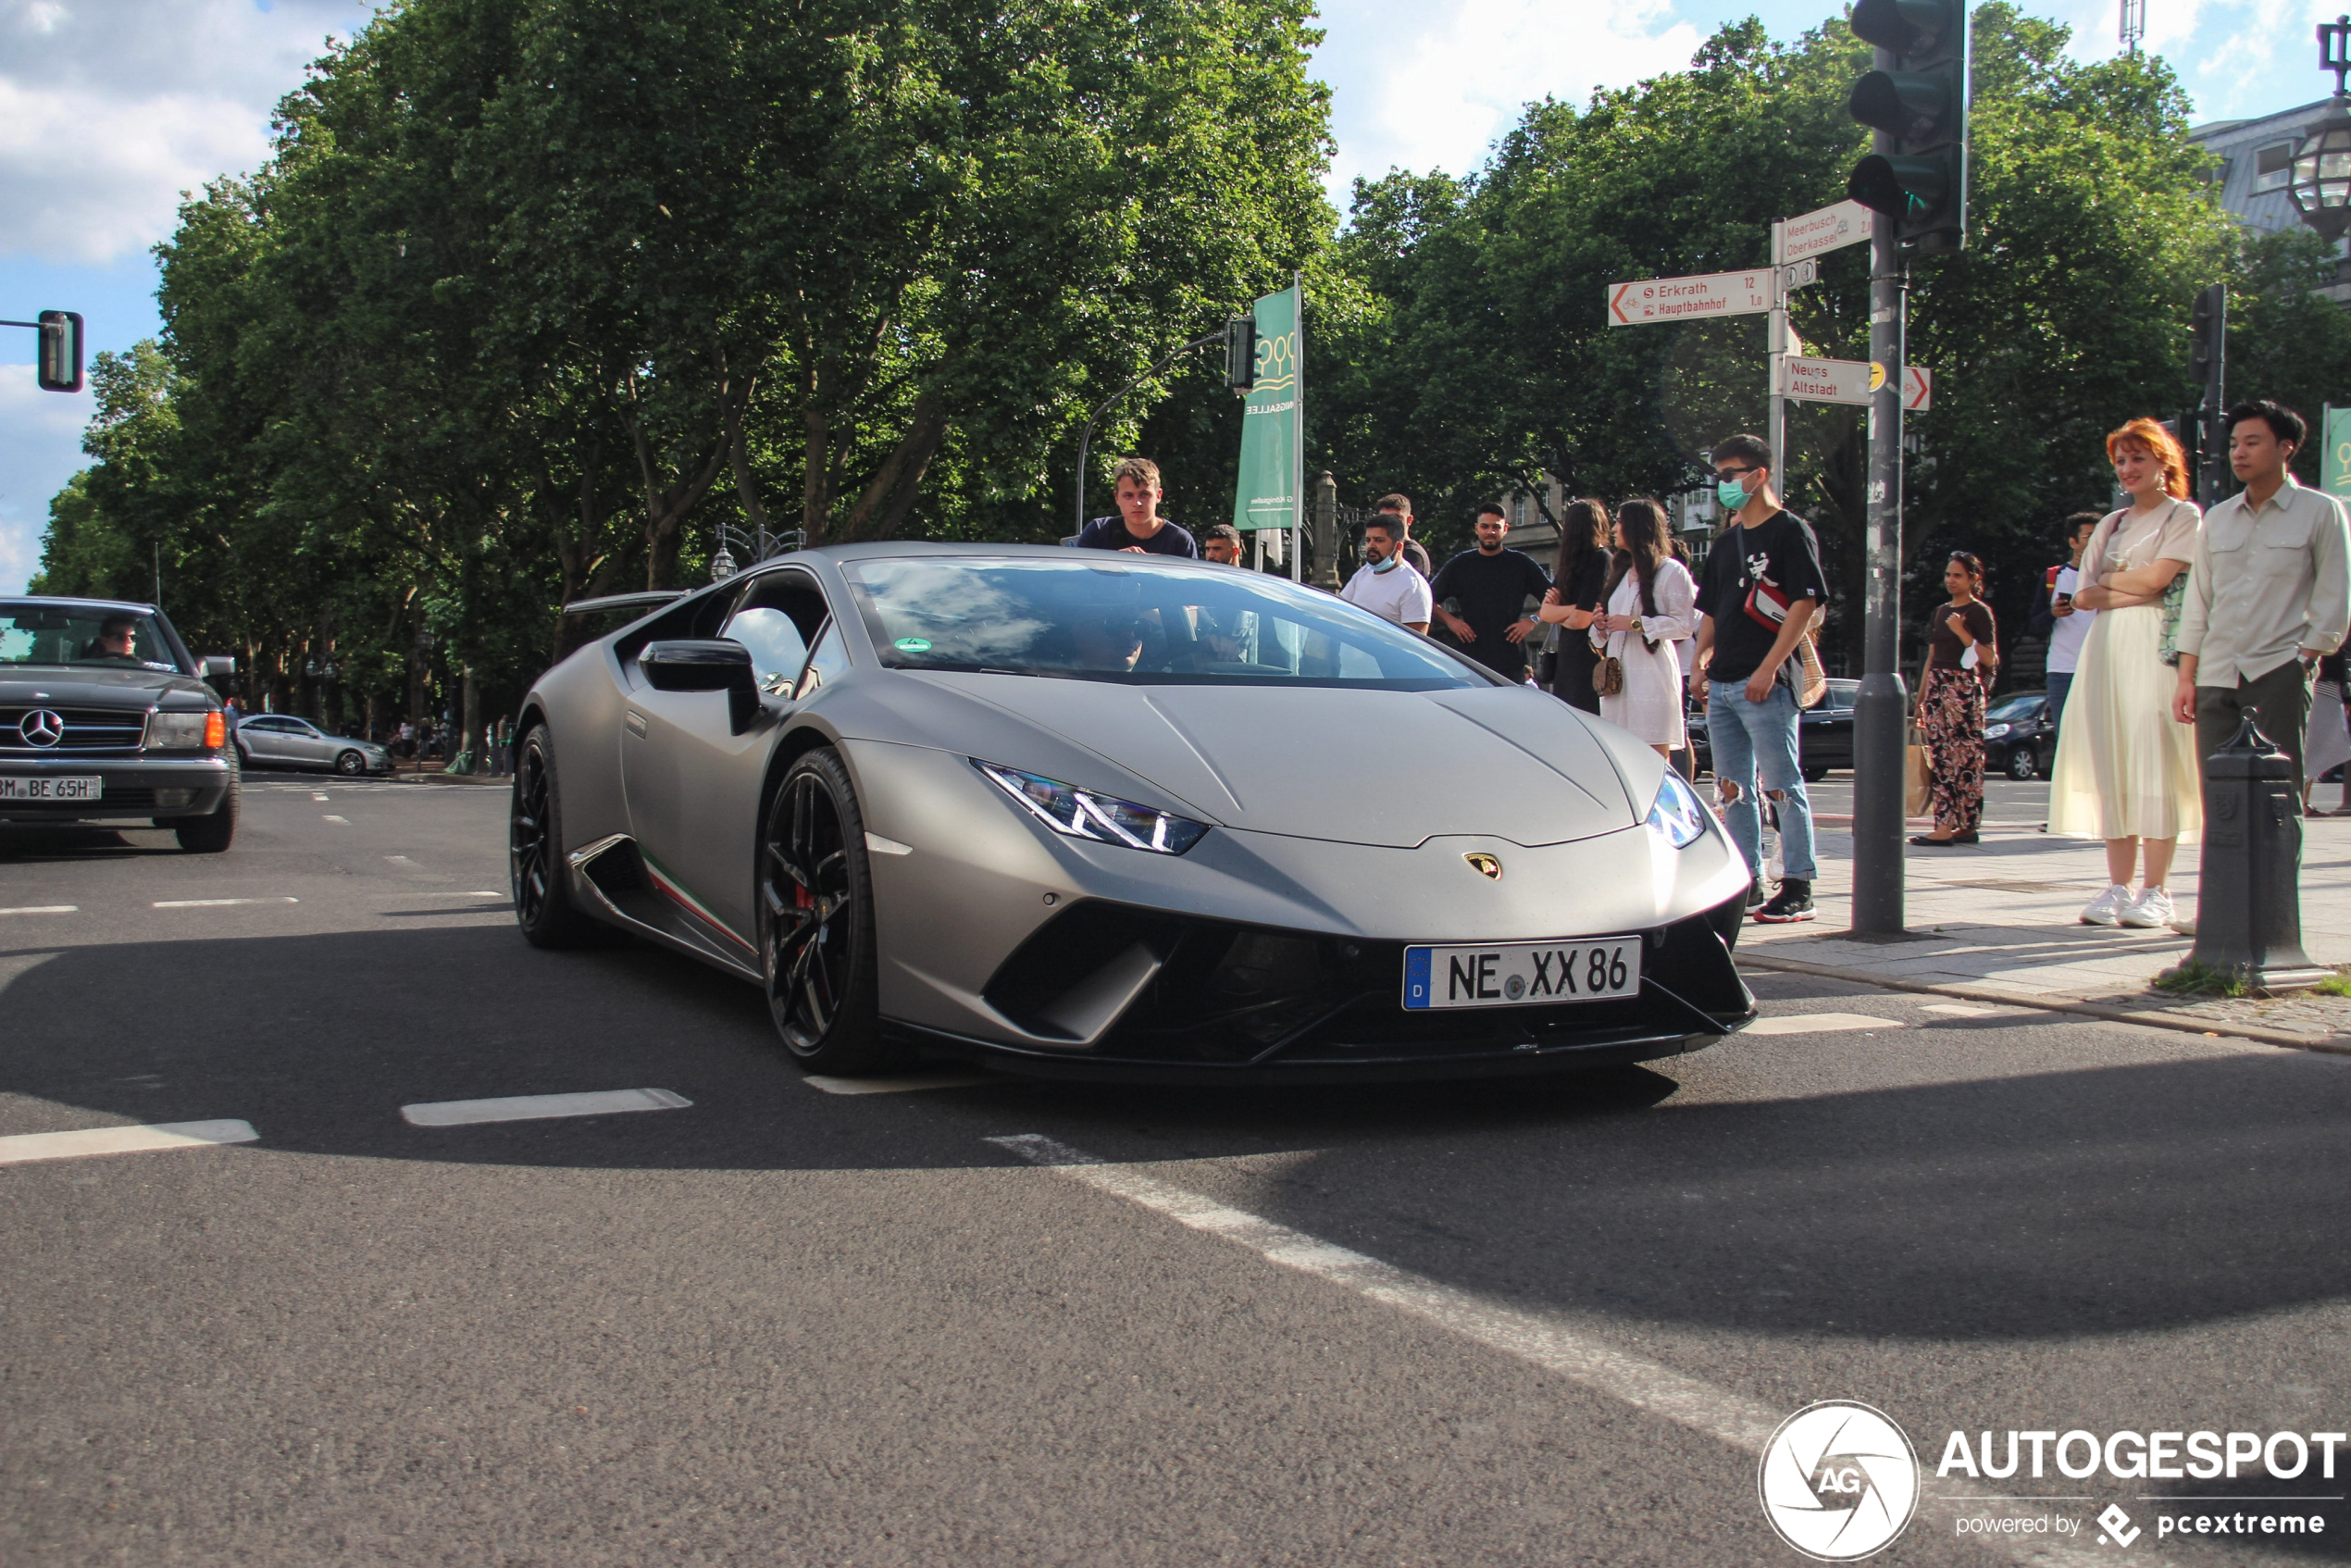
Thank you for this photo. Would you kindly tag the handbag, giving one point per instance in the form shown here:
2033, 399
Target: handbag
1813, 682
1918, 777
2167, 650
1608, 676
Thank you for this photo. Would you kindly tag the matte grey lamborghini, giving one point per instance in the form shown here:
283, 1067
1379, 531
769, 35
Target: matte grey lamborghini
1073, 812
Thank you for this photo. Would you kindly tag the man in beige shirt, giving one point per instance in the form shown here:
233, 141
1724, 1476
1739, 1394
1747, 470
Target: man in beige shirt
2268, 592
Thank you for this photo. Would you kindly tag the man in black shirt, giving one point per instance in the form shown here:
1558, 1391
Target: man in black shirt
1482, 596
1138, 527
1761, 587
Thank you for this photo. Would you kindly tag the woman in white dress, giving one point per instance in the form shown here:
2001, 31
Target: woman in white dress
1652, 603
2126, 771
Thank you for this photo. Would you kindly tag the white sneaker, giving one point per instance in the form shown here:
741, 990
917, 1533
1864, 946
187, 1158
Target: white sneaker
2151, 911
2107, 907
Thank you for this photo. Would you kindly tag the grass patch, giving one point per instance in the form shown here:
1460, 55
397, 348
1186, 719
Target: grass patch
2197, 979
2336, 984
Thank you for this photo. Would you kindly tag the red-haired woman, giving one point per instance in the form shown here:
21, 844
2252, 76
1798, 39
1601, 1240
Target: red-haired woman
2126, 772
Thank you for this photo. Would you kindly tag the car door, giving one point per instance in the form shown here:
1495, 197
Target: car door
306, 745
265, 739
692, 783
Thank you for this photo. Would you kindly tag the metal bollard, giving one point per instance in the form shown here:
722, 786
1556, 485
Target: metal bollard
2248, 917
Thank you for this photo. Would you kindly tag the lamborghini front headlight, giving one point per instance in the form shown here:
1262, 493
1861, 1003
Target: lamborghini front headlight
1084, 814
1678, 813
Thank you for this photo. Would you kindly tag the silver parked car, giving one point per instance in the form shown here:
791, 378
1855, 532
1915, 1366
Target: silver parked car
1074, 812
284, 740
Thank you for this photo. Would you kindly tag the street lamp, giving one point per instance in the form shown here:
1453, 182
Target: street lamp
2321, 186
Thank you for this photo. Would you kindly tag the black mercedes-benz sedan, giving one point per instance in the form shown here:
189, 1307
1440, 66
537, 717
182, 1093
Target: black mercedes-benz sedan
106, 718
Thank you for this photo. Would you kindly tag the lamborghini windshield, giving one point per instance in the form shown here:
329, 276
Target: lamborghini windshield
1105, 617
81, 634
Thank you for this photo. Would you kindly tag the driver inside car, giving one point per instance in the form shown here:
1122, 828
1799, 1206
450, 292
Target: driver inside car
1109, 640
114, 639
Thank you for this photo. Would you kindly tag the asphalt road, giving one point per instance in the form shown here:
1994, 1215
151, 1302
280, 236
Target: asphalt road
780, 1325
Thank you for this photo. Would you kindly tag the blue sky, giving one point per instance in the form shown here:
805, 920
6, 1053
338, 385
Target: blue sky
111, 108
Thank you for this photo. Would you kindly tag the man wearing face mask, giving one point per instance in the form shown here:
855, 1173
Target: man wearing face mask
1384, 584
1761, 587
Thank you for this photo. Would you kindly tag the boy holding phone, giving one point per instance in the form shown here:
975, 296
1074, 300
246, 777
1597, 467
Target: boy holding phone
2069, 627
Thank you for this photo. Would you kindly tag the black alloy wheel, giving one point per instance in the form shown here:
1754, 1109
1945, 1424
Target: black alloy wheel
816, 921
534, 853
2024, 763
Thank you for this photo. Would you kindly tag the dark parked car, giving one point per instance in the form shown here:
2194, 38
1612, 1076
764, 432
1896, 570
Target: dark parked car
105, 717
2018, 739
1824, 736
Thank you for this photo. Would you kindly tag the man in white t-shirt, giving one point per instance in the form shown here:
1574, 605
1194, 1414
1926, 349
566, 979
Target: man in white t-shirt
1384, 584
2069, 627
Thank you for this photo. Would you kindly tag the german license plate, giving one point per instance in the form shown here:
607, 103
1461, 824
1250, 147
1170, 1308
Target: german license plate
1520, 973
50, 789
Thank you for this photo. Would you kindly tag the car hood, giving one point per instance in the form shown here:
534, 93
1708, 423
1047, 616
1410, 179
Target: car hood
1394, 768
100, 687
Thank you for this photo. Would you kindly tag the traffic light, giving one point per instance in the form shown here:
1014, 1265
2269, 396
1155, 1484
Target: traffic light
1240, 353
60, 359
1920, 177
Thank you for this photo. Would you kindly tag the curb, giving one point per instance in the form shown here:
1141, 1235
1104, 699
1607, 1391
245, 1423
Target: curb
2333, 1045
501, 781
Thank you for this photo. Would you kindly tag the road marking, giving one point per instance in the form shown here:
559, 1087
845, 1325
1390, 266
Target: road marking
216, 903
1959, 1010
330, 817
1817, 1024
44, 909
895, 1086
25, 1148
400, 860
540, 1107
316, 796
1729, 1418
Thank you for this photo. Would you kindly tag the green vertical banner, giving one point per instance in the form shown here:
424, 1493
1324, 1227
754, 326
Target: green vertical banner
1270, 494
2334, 465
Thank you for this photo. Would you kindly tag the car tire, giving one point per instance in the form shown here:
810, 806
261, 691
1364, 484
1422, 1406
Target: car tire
217, 830
1814, 774
351, 764
534, 853
2024, 763
816, 939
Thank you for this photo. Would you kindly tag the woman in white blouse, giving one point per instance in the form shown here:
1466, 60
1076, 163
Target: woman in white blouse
1652, 603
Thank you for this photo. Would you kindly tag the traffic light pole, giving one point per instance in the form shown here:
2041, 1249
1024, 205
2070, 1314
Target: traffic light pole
1881, 711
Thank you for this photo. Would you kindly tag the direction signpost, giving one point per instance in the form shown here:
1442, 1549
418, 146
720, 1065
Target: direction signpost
1680, 299
1850, 380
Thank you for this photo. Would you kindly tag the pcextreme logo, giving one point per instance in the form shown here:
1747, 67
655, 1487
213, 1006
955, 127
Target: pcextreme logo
1839, 1481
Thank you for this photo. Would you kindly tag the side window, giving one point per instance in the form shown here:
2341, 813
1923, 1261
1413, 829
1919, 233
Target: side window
825, 664
779, 615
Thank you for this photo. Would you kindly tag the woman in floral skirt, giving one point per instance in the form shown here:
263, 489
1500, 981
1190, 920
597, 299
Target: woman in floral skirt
1962, 650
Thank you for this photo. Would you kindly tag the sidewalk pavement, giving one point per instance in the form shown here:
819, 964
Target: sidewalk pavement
1998, 922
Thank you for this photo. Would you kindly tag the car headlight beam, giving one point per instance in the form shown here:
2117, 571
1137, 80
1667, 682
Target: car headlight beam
1086, 813
1678, 813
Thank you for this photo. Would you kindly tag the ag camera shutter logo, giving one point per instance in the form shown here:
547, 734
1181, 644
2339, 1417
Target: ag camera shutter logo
1839, 1481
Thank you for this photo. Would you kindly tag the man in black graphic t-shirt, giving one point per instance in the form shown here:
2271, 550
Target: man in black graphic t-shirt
1761, 587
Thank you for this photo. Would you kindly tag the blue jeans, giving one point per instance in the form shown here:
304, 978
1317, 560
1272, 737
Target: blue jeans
1749, 737
2059, 683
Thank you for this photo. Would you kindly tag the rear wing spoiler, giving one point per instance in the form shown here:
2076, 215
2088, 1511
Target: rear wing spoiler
651, 601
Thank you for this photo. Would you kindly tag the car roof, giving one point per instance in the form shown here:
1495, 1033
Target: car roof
132, 607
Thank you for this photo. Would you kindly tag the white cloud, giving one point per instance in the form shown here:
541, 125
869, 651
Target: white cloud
1420, 87
109, 111
40, 449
